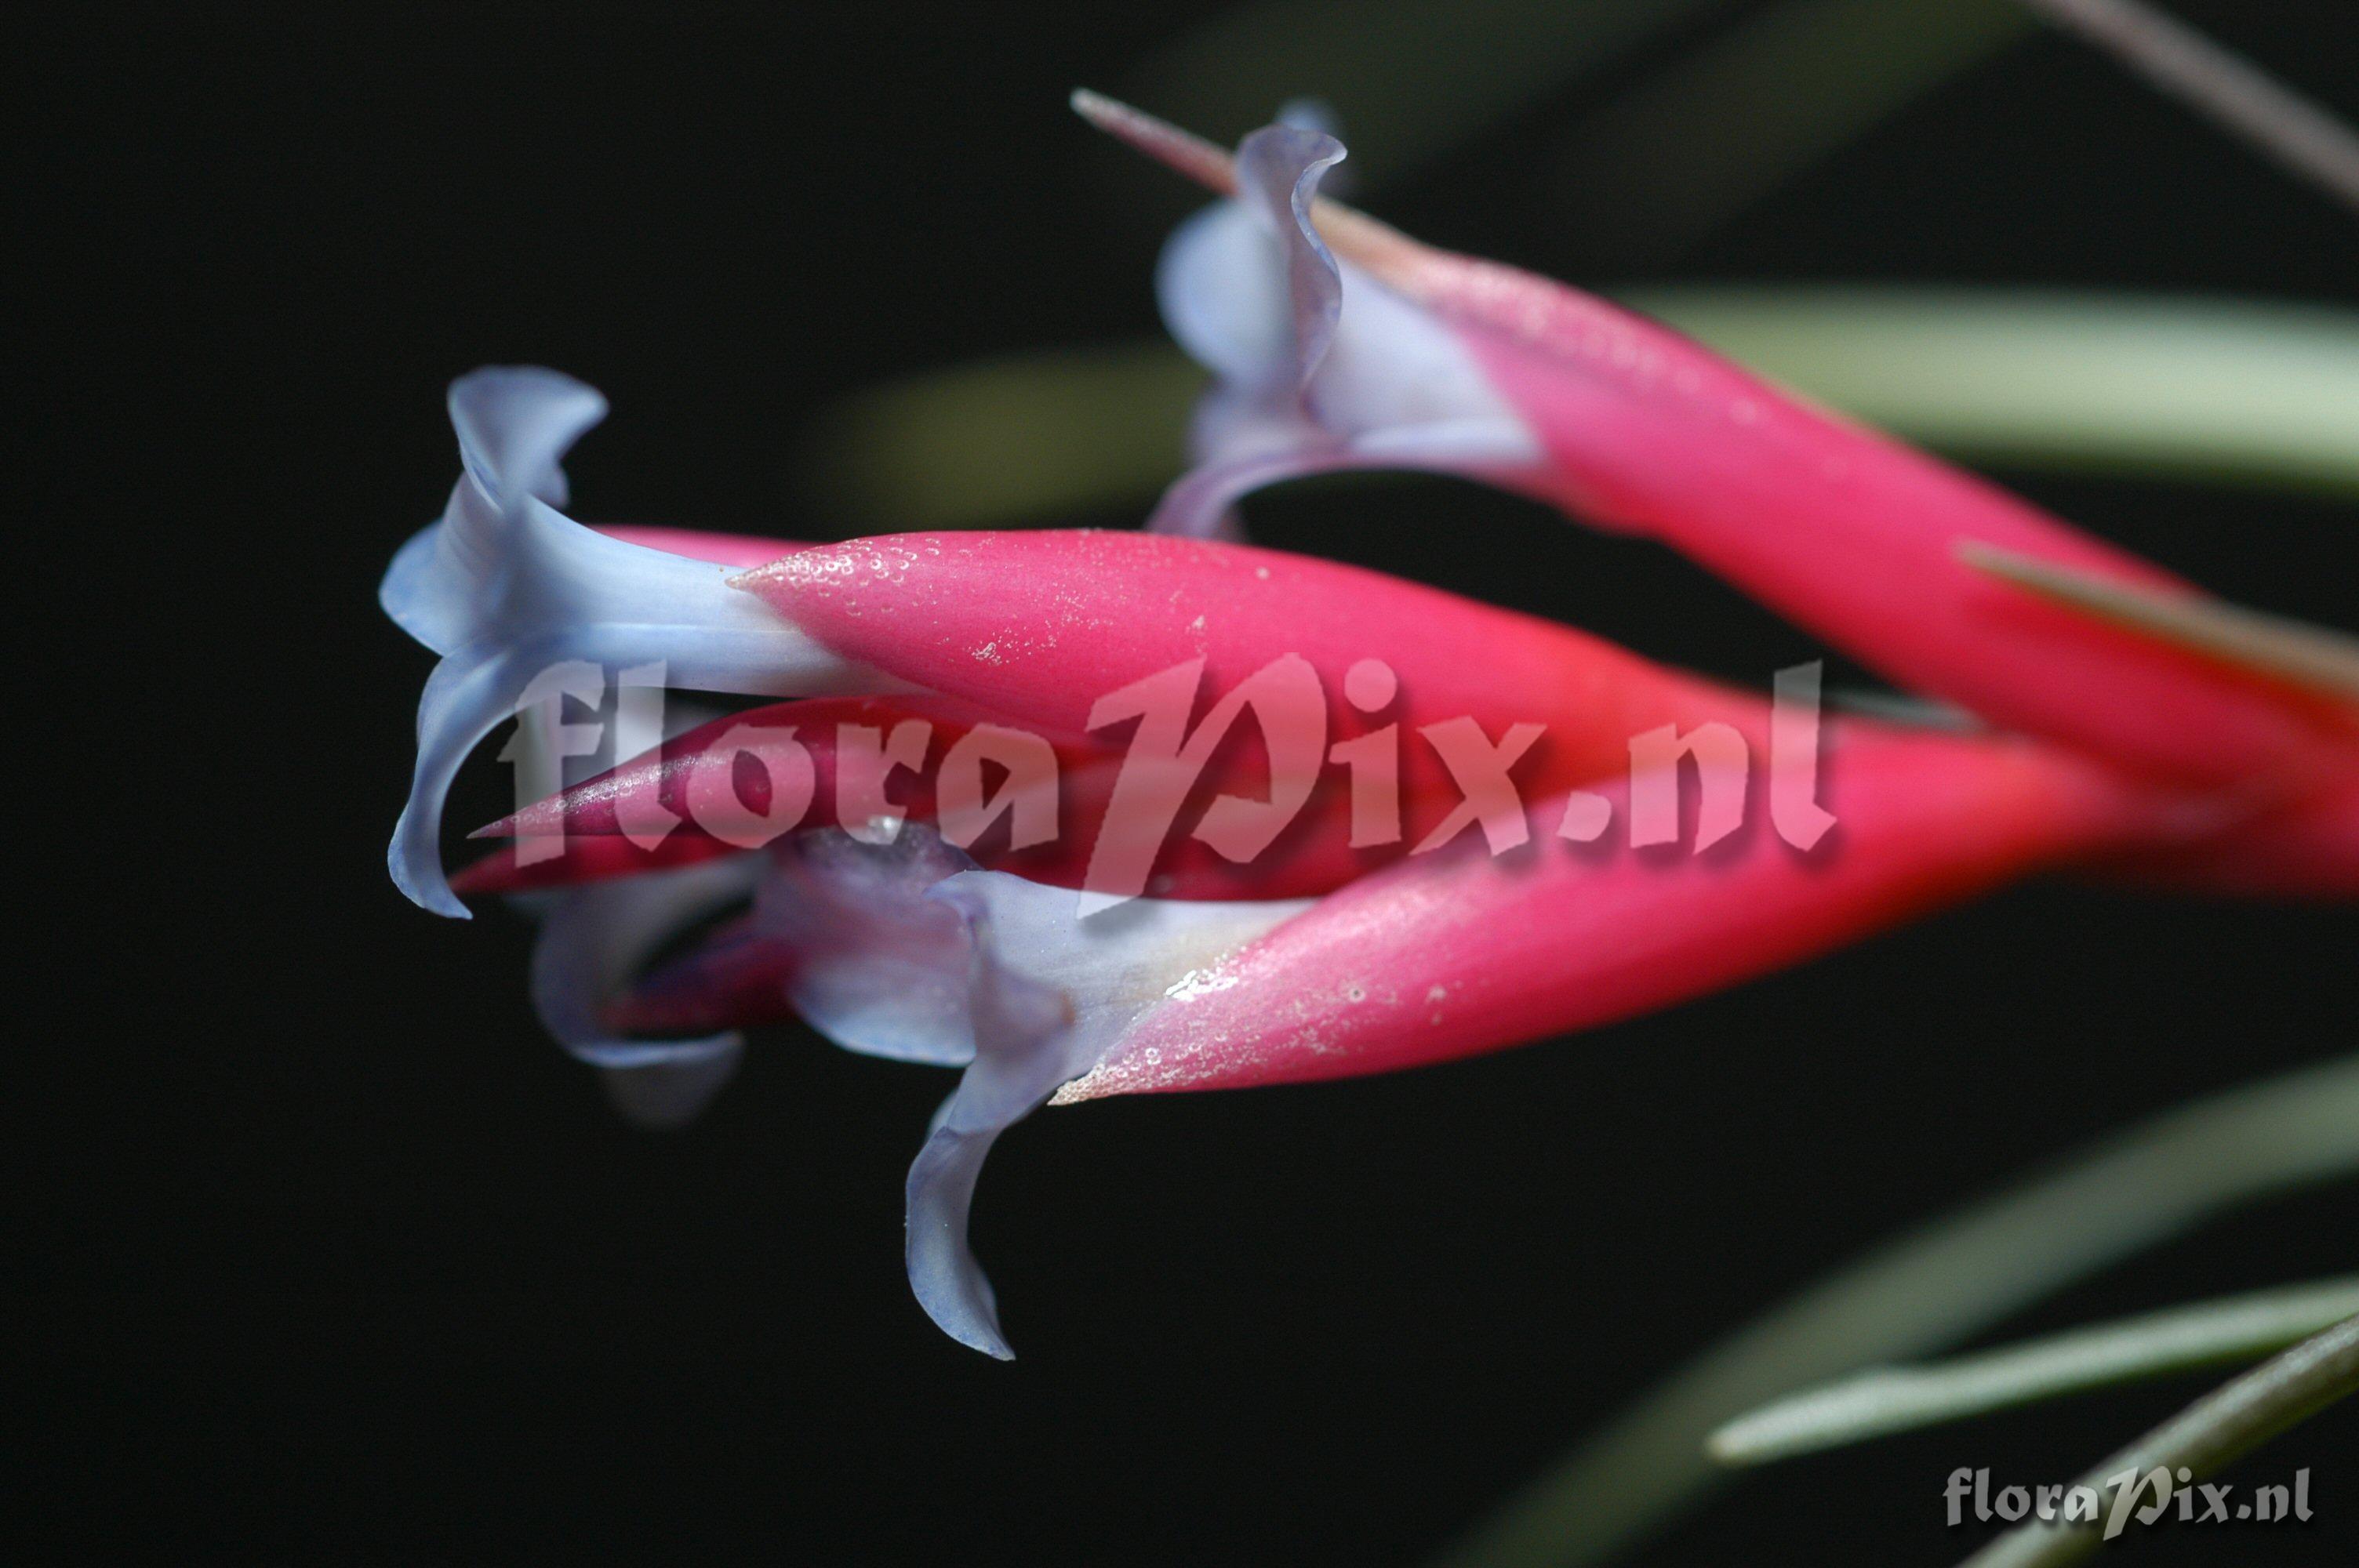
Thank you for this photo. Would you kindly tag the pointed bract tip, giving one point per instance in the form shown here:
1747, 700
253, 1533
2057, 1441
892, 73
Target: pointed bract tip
779, 583
2314, 657
751, 579
1191, 154
1384, 251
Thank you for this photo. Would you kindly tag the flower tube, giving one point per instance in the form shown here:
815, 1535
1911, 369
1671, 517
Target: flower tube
901, 945
507, 588
1855, 537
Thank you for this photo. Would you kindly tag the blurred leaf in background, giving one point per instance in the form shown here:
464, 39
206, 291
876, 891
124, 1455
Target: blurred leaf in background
2172, 387
1952, 1278
1901, 1398
2169, 387
1026, 439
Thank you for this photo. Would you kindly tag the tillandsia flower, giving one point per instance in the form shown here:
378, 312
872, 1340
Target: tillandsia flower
1435, 958
1351, 883
893, 940
1426, 961
1340, 342
1026, 626
593, 940
507, 588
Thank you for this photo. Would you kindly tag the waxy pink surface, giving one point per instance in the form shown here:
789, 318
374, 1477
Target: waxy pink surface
1039, 625
1438, 959
1855, 537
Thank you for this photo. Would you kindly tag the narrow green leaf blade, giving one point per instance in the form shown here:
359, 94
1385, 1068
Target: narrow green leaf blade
2240, 391
1928, 1290
1901, 1398
2216, 1430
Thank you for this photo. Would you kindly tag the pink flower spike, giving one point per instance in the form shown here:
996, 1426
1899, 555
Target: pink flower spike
1852, 536
1438, 959
1006, 620
1857, 538
1039, 625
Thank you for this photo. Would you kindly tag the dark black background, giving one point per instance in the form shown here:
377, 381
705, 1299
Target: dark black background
324, 1252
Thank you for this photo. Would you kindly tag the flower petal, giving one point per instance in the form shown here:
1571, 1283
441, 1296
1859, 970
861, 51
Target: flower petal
1222, 286
875, 964
842, 933
902, 950
1309, 385
515, 425
1049, 991
591, 942
507, 588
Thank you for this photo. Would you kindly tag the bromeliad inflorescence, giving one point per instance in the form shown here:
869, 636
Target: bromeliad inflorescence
1087, 814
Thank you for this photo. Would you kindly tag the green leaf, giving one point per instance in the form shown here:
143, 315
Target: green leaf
1901, 1398
2175, 385
1928, 1290
2216, 1429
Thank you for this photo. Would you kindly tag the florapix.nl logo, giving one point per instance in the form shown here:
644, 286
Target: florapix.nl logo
1375, 779
2109, 1507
